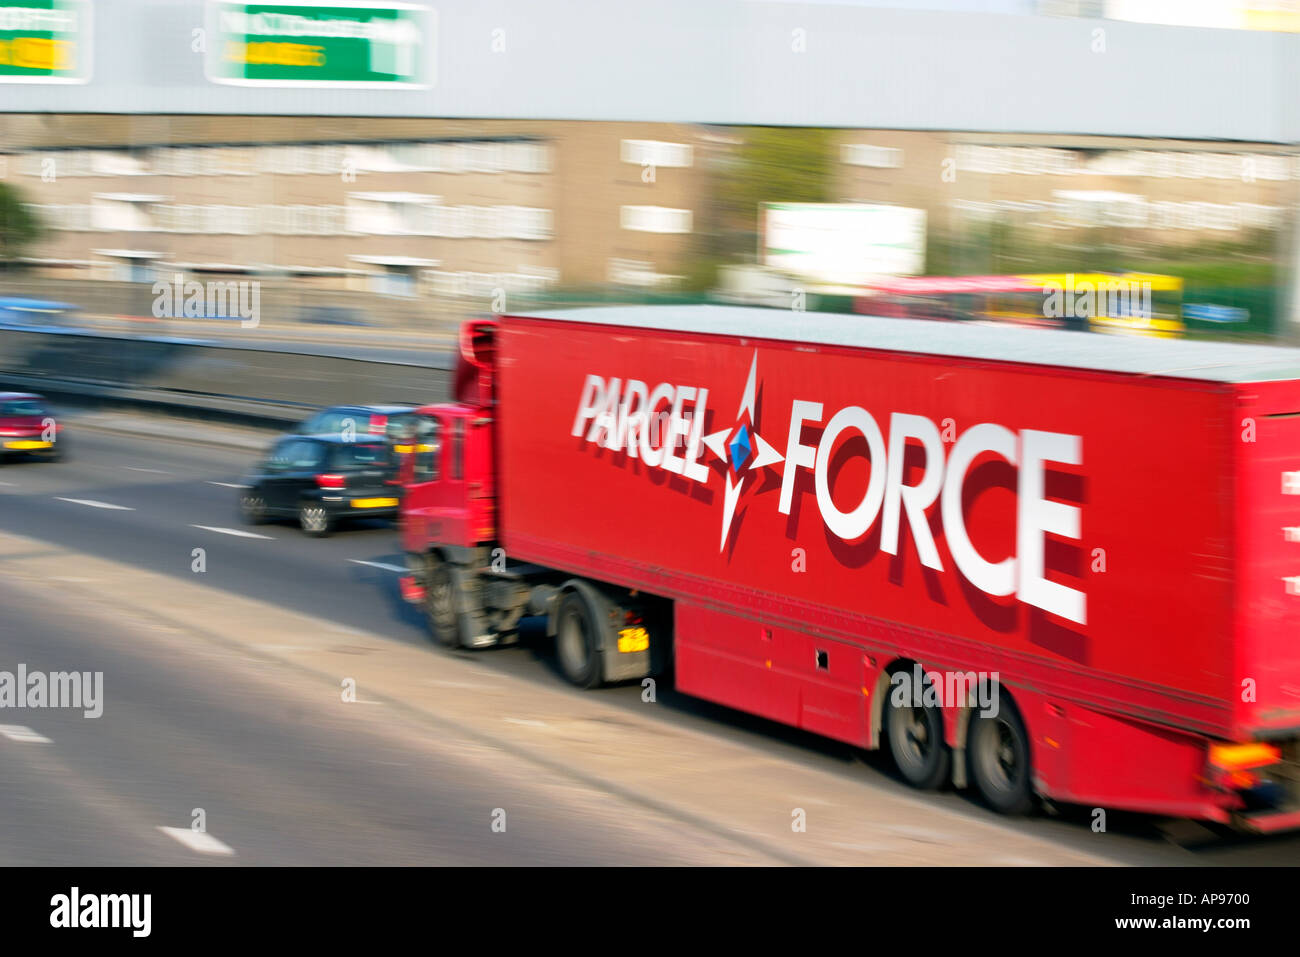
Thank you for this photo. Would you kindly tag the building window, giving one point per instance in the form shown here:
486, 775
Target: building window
527, 222
528, 158
864, 154
655, 219
656, 153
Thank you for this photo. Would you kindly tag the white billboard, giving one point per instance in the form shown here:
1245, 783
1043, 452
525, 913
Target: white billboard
843, 244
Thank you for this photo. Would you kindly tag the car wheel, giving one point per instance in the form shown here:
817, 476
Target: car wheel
915, 733
440, 603
252, 508
314, 519
997, 750
577, 641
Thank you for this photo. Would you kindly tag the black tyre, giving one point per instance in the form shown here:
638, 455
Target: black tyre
915, 734
440, 603
577, 641
314, 519
999, 758
252, 507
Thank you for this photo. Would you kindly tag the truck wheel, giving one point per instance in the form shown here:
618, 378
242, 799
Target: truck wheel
440, 603
314, 519
915, 734
577, 641
997, 749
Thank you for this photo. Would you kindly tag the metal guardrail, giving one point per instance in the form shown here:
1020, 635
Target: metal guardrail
211, 380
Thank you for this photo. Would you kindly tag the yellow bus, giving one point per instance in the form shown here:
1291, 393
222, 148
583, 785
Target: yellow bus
1129, 303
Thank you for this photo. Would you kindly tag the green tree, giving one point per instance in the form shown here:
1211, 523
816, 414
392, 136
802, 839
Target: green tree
19, 227
769, 165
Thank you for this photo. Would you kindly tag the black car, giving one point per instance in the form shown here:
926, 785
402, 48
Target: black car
322, 480
391, 422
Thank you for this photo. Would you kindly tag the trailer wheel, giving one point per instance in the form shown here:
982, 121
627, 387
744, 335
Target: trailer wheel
440, 603
915, 733
577, 641
997, 749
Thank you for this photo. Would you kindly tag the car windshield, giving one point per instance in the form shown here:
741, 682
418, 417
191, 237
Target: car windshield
360, 456
13, 407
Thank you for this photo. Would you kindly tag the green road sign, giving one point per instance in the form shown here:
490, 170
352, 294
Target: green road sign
45, 41
321, 43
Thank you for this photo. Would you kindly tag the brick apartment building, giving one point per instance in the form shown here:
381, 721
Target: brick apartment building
455, 209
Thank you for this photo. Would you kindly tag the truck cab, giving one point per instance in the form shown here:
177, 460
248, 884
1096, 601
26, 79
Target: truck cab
476, 595
447, 473
447, 457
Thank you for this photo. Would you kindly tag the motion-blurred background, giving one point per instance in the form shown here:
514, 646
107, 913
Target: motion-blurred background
413, 222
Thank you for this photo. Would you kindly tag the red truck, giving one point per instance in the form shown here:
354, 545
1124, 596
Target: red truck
1034, 562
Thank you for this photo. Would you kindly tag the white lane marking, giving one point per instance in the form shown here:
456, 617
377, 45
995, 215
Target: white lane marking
9, 484
384, 565
93, 504
527, 722
136, 468
200, 842
237, 532
16, 732
228, 484
863, 847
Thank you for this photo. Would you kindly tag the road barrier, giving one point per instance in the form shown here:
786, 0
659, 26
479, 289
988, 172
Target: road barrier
210, 380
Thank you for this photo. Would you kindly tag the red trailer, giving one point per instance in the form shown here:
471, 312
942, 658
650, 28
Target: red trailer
1028, 561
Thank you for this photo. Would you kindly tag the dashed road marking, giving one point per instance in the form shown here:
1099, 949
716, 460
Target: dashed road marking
237, 532
17, 732
94, 504
137, 468
526, 722
384, 565
228, 484
201, 842
863, 847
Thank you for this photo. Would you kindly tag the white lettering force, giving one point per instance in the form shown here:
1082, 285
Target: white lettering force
650, 424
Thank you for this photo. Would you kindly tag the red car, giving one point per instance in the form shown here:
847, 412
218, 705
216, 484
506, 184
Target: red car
28, 427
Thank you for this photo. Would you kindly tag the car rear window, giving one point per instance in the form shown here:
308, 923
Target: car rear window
21, 407
360, 456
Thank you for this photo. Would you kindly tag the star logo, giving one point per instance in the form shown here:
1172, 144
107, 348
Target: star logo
742, 449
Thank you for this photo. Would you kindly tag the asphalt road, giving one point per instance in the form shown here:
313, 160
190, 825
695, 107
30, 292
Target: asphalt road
95, 797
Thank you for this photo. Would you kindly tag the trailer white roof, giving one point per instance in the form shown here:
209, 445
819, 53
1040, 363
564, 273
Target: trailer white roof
1134, 355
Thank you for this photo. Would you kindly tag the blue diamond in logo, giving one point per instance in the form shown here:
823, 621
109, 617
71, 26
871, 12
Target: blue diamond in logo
740, 449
